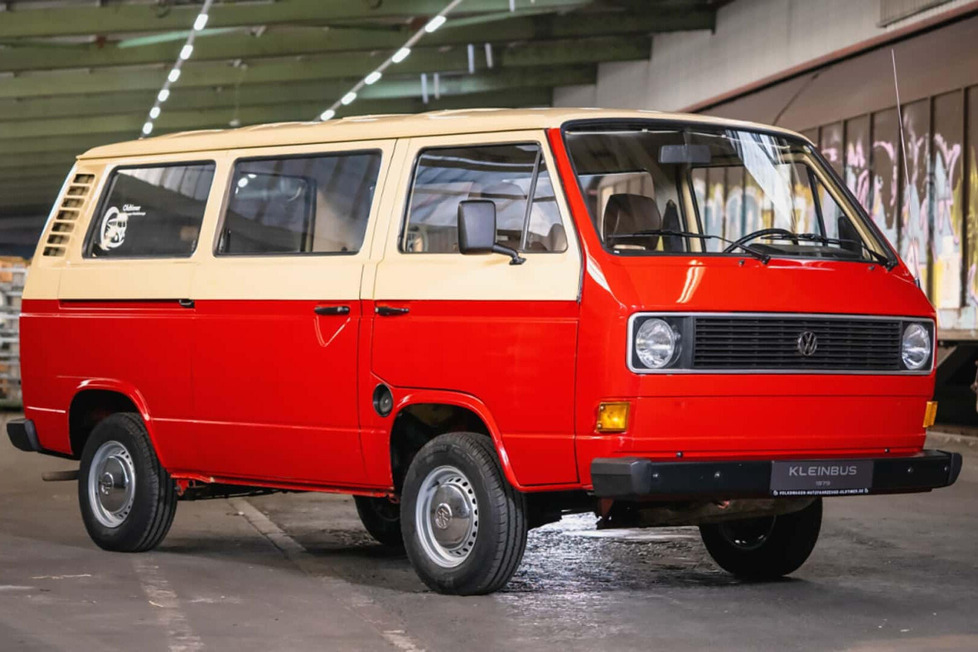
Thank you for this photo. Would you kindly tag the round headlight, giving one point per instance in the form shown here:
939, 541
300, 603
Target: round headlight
916, 346
656, 343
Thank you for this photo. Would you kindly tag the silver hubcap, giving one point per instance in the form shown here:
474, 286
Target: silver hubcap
111, 484
447, 516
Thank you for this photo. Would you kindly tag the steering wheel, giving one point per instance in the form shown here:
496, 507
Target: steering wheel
757, 234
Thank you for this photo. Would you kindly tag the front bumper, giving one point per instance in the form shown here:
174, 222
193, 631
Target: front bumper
635, 477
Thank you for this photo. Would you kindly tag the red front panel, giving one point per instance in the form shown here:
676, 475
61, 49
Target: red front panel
516, 357
736, 416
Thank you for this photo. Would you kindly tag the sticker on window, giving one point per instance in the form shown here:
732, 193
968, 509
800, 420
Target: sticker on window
112, 230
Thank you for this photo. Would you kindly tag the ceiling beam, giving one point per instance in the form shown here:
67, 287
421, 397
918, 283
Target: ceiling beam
37, 159
43, 109
337, 66
125, 18
37, 171
248, 115
293, 42
72, 146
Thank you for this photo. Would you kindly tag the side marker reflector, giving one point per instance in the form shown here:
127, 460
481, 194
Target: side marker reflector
930, 414
613, 417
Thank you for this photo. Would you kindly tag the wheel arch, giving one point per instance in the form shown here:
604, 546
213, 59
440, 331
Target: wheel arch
463, 409
95, 399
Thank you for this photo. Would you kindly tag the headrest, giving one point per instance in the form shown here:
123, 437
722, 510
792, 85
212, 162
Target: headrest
557, 238
626, 214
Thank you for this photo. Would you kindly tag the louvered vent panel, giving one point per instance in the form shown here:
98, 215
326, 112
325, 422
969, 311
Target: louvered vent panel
64, 224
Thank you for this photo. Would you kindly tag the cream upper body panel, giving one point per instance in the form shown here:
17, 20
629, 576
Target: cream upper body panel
436, 123
62, 270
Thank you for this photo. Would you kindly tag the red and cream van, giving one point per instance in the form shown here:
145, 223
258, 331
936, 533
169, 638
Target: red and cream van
475, 322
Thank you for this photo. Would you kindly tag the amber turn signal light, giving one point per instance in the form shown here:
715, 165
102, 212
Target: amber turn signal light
930, 414
613, 417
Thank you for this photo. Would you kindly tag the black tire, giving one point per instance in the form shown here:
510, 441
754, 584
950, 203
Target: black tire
764, 548
154, 497
382, 520
494, 550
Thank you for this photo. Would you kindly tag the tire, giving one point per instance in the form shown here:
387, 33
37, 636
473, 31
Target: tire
135, 513
764, 548
382, 520
456, 487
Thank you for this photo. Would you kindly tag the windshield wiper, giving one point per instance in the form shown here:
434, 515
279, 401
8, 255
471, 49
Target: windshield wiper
887, 262
761, 256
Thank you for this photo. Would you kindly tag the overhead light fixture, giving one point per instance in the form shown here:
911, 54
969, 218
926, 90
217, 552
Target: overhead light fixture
435, 23
401, 55
186, 52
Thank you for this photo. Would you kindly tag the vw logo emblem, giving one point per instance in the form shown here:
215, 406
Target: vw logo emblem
807, 343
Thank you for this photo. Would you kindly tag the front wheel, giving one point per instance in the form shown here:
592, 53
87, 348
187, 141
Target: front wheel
767, 547
464, 525
127, 498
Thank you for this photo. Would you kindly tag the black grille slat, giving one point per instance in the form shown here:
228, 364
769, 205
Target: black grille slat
772, 343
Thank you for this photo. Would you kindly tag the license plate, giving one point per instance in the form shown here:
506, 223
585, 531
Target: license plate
821, 477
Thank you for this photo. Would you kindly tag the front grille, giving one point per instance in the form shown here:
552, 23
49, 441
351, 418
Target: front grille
757, 343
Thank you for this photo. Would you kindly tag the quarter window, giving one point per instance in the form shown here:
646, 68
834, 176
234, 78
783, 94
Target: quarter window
507, 175
150, 212
300, 205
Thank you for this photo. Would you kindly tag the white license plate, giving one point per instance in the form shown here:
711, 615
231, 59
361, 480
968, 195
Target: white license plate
821, 477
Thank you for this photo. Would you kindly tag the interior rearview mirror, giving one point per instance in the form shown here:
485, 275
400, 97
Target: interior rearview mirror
477, 230
688, 154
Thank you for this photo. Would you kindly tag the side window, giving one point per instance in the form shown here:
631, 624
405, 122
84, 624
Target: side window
506, 175
149, 212
300, 205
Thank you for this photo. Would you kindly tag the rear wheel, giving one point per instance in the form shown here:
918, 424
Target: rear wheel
382, 519
767, 547
464, 525
127, 499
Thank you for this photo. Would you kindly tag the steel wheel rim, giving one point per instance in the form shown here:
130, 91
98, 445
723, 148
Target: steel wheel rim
750, 534
111, 484
446, 516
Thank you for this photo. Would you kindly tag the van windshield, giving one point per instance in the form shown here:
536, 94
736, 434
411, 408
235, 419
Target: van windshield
722, 191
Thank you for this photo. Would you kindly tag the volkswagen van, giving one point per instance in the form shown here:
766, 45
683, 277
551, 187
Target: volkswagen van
475, 322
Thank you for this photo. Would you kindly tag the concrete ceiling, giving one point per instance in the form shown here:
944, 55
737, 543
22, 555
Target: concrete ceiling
75, 74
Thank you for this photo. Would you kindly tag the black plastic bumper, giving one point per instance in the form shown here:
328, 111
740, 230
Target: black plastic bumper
23, 435
634, 477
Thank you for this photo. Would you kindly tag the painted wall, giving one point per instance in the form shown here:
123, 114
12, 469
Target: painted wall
754, 39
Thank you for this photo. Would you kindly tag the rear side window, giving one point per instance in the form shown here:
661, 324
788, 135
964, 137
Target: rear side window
151, 212
300, 205
507, 175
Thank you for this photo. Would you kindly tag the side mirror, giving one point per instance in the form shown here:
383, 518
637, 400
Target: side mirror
477, 230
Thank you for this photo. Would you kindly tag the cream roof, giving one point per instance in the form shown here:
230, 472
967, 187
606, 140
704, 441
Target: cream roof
371, 127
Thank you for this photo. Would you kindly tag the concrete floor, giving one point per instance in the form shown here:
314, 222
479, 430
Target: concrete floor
297, 572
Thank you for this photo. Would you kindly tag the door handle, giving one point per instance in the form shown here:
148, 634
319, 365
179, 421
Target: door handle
186, 303
390, 311
332, 310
